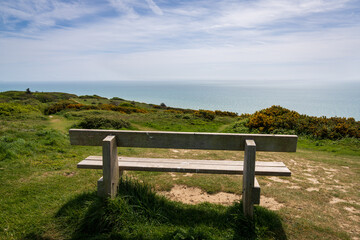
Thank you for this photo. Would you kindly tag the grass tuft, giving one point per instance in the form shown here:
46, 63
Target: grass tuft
139, 213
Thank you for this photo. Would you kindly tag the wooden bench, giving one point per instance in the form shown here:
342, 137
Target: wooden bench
113, 166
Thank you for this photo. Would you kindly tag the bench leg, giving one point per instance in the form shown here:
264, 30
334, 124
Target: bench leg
248, 178
100, 187
110, 167
256, 192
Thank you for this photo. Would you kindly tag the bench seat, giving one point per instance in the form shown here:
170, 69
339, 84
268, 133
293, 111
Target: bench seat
188, 166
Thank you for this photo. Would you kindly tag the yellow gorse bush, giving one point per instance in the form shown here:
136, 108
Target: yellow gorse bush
277, 119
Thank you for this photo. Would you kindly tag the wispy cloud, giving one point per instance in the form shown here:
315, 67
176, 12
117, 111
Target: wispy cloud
158, 40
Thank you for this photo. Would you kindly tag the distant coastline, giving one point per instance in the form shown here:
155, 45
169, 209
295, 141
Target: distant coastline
330, 100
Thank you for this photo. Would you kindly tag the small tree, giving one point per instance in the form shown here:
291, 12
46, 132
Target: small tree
163, 105
28, 91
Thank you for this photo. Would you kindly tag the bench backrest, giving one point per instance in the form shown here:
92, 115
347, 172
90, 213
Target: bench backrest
184, 140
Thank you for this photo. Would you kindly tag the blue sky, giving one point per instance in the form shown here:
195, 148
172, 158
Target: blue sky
158, 40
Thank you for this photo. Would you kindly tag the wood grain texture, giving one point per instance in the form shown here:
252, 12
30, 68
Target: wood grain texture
100, 187
110, 167
188, 166
248, 178
184, 140
176, 160
256, 192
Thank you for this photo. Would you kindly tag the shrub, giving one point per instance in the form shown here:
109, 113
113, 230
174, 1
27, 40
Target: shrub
206, 114
225, 113
92, 97
62, 105
103, 123
127, 104
117, 98
13, 109
278, 119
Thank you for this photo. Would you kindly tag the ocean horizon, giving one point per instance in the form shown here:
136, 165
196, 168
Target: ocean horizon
334, 99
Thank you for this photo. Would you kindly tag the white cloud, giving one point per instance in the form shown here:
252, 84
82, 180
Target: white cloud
219, 40
44, 13
155, 8
267, 12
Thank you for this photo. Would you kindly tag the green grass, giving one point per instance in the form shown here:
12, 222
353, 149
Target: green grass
44, 195
345, 146
138, 213
168, 121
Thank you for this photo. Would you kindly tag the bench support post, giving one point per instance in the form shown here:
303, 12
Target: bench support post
110, 167
256, 192
248, 178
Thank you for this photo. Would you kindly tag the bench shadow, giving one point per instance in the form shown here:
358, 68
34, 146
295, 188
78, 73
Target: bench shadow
138, 213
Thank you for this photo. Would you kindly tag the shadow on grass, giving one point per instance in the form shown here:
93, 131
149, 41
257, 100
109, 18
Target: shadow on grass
138, 213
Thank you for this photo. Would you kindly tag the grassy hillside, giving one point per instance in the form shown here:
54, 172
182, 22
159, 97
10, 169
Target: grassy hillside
44, 196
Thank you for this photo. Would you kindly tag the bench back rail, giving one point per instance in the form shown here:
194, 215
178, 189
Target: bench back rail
185, 140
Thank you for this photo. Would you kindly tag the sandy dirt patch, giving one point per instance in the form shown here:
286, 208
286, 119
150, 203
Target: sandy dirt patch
188, 175
313, 180
311, 189
276, 179
173, 175
69, 174
270, 203
191, 195
352, 210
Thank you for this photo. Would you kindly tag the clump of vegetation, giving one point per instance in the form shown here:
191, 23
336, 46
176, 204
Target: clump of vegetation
103, 123
196, 112
225, 113
127, 104
15, 109
70, 104
205, 114
278, 119
117, 98
43, 97
128, 108
92, 97
138, 212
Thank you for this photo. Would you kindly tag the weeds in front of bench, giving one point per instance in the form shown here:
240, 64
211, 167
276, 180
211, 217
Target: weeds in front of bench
138, 213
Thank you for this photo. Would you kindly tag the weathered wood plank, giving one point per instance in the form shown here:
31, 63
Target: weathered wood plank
256, 192
262, 168
100, 187
248, 178
184, 140
176, 161
110, 167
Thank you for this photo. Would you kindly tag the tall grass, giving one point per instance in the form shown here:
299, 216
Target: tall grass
138, 213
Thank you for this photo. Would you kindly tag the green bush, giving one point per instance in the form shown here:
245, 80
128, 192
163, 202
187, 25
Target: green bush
205, 114
103, 123
14, 109
277, 119
127, 104
68, 104
92, 97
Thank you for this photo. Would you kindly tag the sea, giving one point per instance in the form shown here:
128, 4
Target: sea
330, 99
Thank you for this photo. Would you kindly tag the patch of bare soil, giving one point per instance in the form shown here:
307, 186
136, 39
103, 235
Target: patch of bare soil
69, 174
311, 189
313, 180
277, 179
270, 203
191, 195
